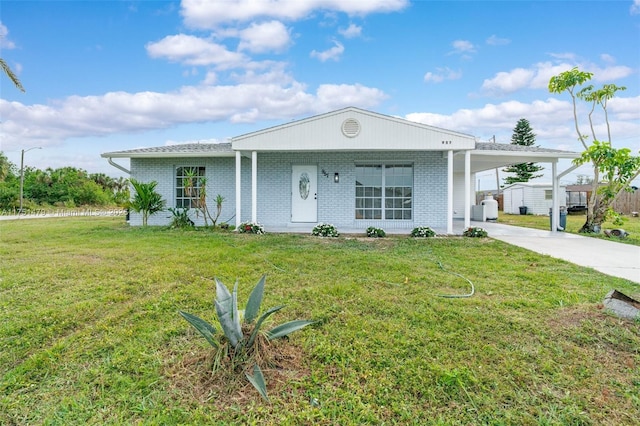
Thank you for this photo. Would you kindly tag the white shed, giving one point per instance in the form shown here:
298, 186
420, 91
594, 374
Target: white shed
536, 197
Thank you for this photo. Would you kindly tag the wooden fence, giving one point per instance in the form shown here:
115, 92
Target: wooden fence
628, 202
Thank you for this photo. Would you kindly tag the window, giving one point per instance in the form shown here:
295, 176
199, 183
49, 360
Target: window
384, 192
548, 194
189, 180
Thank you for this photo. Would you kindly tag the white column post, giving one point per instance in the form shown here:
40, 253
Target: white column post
254, 186
238, 189
450, 192
467, 188
555, 191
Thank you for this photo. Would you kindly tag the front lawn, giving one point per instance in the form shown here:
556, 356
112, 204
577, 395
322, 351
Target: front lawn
574, 223
90, 331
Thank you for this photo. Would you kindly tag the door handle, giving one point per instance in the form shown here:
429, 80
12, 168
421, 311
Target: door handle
315, 195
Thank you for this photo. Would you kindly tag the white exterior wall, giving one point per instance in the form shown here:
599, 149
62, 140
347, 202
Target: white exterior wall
336, 201
377, 133
458, 195
220, 174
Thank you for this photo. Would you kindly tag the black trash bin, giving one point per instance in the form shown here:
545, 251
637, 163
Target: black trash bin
563, 219
523, 210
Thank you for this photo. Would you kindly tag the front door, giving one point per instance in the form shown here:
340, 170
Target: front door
304, 196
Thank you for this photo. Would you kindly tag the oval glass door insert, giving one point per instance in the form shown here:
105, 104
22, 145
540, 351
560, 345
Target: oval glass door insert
304, 185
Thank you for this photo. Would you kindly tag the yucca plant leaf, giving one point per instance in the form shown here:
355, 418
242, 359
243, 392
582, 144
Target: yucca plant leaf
254, 302
234, 311
207, 330
228, 324
258, 381
256, 329
227, 313
223, 296
287, 328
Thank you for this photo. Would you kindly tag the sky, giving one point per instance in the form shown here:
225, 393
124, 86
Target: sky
105, 76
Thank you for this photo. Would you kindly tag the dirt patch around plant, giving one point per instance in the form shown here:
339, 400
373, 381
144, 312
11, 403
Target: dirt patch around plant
192, 378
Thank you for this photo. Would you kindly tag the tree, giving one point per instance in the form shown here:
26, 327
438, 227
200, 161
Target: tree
7, 168
146, 199
522, 135
613, 169
11, 75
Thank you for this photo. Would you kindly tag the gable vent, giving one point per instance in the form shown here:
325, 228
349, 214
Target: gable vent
350, 127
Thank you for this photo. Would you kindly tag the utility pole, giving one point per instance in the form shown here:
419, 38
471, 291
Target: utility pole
22, 173
497, 175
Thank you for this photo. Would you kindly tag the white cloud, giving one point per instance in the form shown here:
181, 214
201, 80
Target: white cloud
5, 43
605, 57
635, 7
270, 36
494, 40
121, 112
551, 120
463, 46
334, 96
333, 53
508, 82
351, 31
193, 50
441, 75
538, 75
625, 108
210, 14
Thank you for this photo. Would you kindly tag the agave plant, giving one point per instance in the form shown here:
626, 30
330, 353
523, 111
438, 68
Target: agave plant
240, 329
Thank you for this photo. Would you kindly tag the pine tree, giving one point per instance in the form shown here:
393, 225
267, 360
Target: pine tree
522, 135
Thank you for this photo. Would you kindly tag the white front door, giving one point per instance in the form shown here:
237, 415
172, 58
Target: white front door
304, 196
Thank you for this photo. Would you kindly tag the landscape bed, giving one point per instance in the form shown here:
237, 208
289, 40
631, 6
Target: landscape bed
90, 331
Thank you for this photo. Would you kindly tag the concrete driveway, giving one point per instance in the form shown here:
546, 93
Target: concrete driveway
609, 257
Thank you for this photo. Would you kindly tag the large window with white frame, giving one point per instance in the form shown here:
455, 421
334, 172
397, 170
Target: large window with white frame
384, 191
189, 181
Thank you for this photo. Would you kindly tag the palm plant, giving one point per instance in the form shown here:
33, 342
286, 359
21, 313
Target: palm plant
7, 70
241, 330
146, 199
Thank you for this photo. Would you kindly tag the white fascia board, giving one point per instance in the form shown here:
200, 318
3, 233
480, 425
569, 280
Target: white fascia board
528, 154
167, 154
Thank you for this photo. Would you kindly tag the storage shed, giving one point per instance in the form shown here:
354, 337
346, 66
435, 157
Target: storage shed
536, 197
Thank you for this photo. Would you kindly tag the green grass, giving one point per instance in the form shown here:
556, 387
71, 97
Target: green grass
574, 223
90, 331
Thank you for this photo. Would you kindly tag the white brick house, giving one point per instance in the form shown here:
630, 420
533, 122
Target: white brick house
351, 167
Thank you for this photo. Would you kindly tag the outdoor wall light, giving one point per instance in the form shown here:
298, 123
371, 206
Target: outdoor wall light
336, 177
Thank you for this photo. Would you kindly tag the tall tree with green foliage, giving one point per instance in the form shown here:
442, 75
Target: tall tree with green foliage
523, 135
613, 169
7, 70
146, 200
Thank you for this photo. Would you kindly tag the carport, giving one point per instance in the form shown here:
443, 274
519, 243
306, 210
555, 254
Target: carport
489, 156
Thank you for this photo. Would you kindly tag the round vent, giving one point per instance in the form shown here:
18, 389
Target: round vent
350, 127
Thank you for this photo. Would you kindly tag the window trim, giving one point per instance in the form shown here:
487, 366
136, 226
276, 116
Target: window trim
383, 197
181, 202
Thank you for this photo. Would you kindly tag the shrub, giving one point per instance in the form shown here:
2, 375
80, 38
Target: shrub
423, 232
180, 218
475, 232
251, 228
374, 232
325, 230
239, 342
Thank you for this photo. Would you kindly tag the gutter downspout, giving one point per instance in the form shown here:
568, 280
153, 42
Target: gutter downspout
118, 166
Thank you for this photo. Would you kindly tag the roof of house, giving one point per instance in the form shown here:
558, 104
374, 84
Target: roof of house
488, 146
180, 150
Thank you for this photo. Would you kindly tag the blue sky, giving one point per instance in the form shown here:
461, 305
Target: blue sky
113, 75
